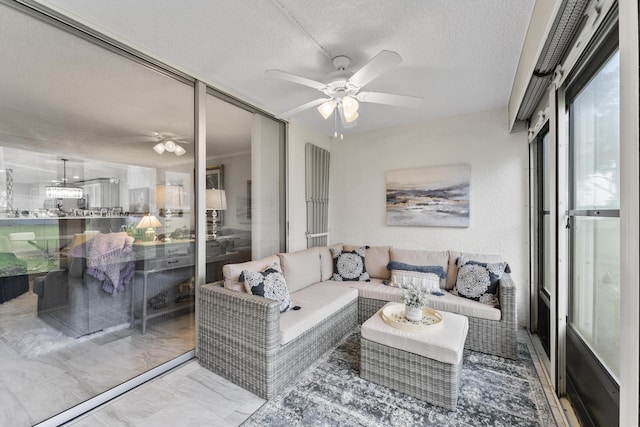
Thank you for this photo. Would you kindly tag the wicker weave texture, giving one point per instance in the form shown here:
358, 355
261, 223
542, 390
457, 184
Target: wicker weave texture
426, 379
497, 337
239, 339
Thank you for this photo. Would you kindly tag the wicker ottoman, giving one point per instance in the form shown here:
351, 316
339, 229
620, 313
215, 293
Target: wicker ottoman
423, 365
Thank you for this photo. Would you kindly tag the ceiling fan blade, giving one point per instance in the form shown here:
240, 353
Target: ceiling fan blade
279, 74
380, 64
302, 107
390, 99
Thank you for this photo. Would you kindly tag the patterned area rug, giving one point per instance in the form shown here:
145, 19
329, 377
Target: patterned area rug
494, 392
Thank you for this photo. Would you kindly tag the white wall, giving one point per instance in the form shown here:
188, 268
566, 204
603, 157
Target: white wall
299, 135
499, 188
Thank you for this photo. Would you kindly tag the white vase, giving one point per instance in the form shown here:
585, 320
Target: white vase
413, 314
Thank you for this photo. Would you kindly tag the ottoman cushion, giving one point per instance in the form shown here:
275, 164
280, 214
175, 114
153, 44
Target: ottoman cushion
445, 344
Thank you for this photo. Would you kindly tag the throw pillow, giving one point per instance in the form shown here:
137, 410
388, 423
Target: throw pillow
268, 283
402, 279
349, 265
436, 269
478, 281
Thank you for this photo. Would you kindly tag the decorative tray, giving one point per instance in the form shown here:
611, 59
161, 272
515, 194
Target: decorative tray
394, 315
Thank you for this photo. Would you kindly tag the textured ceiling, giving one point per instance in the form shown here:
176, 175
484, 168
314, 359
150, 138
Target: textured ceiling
61, 95
460, 56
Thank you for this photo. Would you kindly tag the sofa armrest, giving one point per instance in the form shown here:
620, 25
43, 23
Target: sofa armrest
246, 321
507, 296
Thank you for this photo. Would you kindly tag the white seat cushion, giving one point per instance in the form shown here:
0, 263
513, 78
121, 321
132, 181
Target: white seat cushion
464, 306
445, 344
373, 289
317, 302
447, 302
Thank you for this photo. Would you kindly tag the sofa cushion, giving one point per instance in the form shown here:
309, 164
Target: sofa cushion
326, 261
377, 290
464, 306
231, 272
376, 260
452, 273
301, 268
317, 302
269, 283
374, 289
479, 281
349, 265
76, 266
422, 258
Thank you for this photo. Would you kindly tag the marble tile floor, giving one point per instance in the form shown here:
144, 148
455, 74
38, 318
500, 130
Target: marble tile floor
190, 395
37, 388
33, 390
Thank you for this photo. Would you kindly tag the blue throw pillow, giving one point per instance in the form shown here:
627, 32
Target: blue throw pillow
436, 269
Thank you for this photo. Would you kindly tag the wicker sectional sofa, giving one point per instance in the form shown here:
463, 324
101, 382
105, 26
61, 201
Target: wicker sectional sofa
247, 340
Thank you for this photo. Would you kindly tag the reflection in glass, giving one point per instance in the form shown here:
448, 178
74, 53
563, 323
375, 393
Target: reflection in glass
596, 147
95, 300
596, 290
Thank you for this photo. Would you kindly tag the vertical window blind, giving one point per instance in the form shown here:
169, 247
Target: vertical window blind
317, 195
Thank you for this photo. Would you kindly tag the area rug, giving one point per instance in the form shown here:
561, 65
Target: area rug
494, 392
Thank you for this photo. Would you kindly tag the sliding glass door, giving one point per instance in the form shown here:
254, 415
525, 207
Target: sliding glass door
594, 299
97, 218
545, 289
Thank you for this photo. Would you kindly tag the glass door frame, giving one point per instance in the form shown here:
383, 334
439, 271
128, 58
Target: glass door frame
52, 17
602, 382
544, 180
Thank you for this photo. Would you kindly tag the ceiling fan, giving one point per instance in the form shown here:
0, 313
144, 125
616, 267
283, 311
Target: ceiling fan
342, 88
165, 142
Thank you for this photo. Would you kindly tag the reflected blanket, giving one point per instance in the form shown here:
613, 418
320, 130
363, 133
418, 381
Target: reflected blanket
110, 259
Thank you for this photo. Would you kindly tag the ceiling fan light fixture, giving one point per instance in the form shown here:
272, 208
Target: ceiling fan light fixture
326, 108
159, 148
170, 146
350, 106
179, 151
351, 117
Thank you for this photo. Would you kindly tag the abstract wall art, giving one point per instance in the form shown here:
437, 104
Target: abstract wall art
429, 197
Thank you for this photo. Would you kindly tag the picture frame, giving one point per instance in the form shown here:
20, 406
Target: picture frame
214, 178
139, 201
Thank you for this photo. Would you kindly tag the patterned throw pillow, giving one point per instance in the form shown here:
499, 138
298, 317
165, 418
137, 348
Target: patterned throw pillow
349, 265
268, 283
479, 281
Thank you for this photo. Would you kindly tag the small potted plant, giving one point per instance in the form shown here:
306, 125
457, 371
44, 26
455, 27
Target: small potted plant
414, 298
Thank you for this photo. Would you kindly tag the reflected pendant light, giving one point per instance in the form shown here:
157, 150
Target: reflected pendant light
63, 191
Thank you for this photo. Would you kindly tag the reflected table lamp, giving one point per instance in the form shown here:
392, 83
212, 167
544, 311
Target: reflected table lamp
149, 222
169, 199
216, 201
